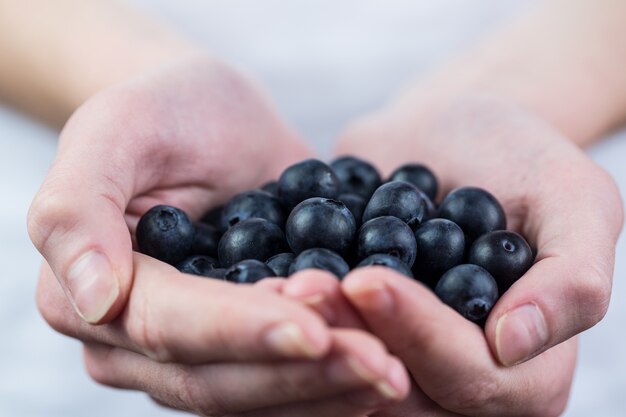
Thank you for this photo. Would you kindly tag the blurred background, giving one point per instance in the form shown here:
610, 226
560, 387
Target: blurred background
324, 62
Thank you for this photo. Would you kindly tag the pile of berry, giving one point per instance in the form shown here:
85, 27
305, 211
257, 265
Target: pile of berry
341, 216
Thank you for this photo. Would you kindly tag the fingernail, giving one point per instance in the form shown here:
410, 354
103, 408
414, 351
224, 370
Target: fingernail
350, 370
289, 340
346, 370
520, 334
396, 382
319, 303
93, 286
370, 294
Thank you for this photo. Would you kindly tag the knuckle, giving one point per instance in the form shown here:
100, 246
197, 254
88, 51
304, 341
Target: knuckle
298, 385
473, 398
608, 192
52, 315
592, 294
556, 407
53, 308
552, 401
145, 333
196, 397
96, 366
50, 215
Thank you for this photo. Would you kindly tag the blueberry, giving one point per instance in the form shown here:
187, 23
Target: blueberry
307, 179
271, 187
206, 240
251, 204
356, 176
165, 233
320, 258
388, 261
440, 246
213, 217
418, 175
470, 290
320, 223
356, 204
402, 200
198, 265
280, 263
251, 239
388, 235
248, 271
475, 210
218, 273
506, 255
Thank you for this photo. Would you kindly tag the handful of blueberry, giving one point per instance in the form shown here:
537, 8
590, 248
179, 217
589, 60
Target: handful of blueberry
341, 216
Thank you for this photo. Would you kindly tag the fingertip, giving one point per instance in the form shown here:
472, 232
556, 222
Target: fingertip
367, 288
274, 285
398, 379
310, 284
292, 340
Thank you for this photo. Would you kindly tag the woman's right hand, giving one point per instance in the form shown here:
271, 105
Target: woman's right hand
189, 134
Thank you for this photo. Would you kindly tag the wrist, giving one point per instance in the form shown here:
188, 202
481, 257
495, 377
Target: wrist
559, 62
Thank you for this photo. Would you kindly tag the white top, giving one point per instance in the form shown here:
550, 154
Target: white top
324, 62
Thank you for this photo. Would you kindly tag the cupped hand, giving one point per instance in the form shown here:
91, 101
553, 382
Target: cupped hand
189, 134
562, 202
217, 349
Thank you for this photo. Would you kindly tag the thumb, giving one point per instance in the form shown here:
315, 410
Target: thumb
77, 222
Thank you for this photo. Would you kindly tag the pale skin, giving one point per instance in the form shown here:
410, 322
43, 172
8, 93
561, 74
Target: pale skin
506, 116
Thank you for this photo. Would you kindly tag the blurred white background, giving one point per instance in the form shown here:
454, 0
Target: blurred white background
324, 62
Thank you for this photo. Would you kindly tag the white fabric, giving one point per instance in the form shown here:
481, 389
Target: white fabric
323, 62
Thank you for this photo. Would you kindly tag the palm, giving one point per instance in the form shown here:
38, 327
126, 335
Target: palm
188, 135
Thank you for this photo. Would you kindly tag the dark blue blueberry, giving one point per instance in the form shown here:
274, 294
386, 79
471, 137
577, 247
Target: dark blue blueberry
320, 223
470, 290
251, 239
214, 217
251, 204
271, 187
356, 176
165, 233
356, 204
506, 255
418, 175
402, 200
218, 273
320, 258
475, 210
380, 259
280, 263
206, 240
388, 235
440, 246
307, 179
198, 265
248, 271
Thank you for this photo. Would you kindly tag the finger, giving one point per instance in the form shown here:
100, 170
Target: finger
174, 317
416, 404
354, 404
357, 361
449, 357
321, 291
568, 289
77, 223
274, 285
